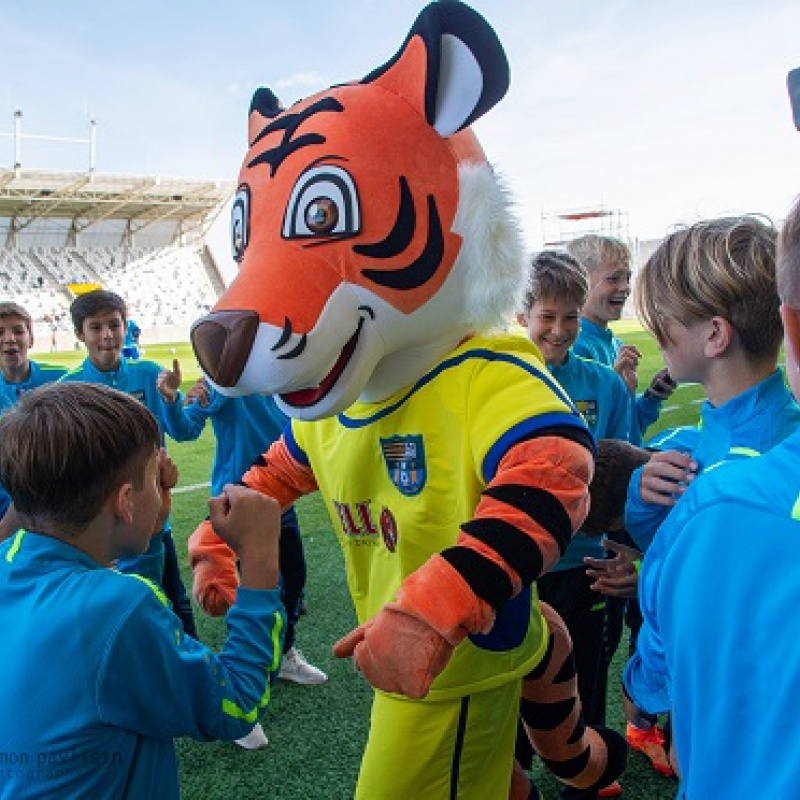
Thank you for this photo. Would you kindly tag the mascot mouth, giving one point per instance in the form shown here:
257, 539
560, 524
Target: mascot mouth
303, 398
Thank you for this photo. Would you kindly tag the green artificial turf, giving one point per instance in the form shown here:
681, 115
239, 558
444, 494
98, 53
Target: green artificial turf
317, 734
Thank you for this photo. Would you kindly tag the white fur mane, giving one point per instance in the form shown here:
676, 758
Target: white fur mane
492, 255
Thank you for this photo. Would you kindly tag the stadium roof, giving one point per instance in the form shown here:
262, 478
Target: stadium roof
87, 198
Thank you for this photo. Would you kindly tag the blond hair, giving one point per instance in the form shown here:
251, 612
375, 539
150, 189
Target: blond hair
720, 267
593, 251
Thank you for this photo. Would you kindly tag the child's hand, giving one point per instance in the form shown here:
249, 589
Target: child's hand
169, 382
167, 479
626, 365
250, 524
199, 393
662, 386
666, 476
618, 576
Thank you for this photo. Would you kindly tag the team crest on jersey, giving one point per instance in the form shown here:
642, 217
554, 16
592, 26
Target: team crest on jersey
405, 459
588, 410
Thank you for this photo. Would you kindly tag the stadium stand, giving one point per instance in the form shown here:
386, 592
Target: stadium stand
142, 237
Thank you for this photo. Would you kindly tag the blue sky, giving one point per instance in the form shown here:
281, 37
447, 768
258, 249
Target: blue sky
668, 111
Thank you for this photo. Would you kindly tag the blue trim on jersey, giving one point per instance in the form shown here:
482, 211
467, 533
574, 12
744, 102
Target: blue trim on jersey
296, 451
510, 625
487, 355
521, 431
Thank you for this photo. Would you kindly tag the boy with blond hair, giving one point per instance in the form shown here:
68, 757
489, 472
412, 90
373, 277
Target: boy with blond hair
709, 296
98, 675
608, 262
719, 587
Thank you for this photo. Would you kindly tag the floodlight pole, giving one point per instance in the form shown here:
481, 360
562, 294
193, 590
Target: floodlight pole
17, 141
92, 145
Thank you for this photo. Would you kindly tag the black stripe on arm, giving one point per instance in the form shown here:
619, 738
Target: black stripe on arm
485, 578
516, 548
542, 506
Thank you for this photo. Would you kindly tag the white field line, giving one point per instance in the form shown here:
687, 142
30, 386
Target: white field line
193, 488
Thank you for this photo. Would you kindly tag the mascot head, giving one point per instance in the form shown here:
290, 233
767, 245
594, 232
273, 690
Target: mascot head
371, 233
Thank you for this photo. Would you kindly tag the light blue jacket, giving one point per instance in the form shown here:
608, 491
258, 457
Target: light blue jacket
719, 645
244, 428
98, 676
602, 398
600, 344
749, 424
39, 375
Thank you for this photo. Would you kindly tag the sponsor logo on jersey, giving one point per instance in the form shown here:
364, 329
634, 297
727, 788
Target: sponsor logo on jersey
389, 530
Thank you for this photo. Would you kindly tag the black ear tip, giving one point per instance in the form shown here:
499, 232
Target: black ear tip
265, 102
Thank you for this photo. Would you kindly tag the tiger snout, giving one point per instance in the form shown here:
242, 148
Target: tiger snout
222, 341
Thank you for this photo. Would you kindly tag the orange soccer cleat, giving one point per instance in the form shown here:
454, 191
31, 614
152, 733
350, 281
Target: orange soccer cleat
650, 741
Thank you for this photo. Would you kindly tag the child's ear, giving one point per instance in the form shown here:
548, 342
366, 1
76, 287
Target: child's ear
122, 499
720, 335
522, 319
79, 336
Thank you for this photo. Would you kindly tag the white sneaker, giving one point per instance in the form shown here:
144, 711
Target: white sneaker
254, 740
295, 668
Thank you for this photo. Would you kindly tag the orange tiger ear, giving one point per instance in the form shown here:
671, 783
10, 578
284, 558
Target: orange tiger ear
264, 105
451, 67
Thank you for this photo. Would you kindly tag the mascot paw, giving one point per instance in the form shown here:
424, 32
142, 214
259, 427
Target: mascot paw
212, 589
397, 652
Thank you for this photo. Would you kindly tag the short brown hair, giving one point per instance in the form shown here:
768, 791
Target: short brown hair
67, 446
593, 250
95, 302
555, 274
9, 309
789, 258
721, 267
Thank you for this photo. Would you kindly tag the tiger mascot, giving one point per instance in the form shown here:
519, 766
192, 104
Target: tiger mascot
377, 253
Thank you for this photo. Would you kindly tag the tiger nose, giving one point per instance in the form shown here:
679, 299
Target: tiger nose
222, 341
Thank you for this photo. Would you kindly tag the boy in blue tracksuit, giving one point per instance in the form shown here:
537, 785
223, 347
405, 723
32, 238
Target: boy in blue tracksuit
708, 295
555, 293
99, 319
744, 426
607, 260
98, 675
719, 590
244, 428
18, 374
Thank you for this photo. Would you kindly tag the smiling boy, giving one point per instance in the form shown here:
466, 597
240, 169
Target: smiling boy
18, 374
99, 318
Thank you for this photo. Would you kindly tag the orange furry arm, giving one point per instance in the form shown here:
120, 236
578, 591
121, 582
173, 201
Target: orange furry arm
215, 577
523, 523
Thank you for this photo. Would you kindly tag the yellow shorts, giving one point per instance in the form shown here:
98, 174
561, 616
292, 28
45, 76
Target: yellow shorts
452, 749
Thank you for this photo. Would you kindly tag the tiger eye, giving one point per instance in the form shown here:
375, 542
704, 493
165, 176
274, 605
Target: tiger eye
322, 215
